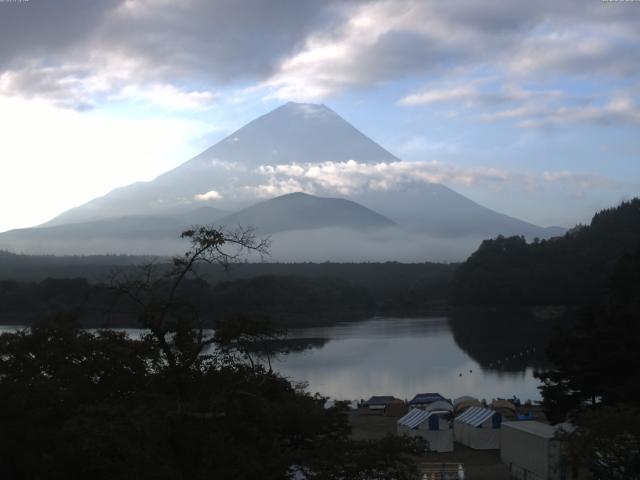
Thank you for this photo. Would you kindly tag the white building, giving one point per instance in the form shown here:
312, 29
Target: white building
531, 451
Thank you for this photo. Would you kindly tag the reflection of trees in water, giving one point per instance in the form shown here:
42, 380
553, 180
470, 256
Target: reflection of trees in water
508, 340
289, 345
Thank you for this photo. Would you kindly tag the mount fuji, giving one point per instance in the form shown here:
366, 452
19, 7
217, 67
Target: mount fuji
250, 177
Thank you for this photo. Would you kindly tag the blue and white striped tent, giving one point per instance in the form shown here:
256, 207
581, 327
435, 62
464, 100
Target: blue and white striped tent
435, 429
478, 428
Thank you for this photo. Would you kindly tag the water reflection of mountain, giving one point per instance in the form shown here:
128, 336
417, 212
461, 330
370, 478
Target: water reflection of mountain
503, 340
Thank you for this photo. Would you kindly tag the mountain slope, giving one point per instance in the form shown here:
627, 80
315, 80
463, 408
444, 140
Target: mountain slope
291, 133
299, 211
438, 210
108, 235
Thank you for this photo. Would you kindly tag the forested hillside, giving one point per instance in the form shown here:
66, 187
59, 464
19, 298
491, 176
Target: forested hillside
568, 270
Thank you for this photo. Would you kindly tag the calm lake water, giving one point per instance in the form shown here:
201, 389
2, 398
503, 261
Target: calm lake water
405, 356
401, 357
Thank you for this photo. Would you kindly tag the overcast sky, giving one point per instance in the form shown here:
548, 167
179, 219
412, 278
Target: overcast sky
533, 108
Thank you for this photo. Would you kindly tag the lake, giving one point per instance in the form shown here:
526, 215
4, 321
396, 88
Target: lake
401, 357
405, 356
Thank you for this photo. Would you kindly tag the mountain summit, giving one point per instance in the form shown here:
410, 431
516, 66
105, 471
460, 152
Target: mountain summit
296, 133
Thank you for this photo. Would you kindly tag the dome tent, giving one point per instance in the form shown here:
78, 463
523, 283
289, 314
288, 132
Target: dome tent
462, 403
439, 406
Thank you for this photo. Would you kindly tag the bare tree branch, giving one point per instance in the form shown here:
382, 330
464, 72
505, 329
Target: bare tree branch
174, 324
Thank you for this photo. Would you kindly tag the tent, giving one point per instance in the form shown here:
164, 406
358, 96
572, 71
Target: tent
478, 428
379, 402
439, 406
430, 426
505, 407
424, 399
462, 406
463, 398
462, 403
396, 408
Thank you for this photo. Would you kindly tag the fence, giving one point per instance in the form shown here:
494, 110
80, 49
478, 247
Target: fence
442, 471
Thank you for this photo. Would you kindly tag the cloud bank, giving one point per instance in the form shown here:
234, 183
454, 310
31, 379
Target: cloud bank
79, 53
351, 177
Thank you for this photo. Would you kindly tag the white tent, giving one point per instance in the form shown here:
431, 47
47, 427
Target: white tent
430, 426
439, 405
478, 428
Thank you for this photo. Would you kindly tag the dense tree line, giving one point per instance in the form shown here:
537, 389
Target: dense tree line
595, 382
311, 296
396, 288
568, 270
292, 301
35, 268
100, 405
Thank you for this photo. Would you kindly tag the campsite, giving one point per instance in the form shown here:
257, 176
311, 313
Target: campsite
463, 434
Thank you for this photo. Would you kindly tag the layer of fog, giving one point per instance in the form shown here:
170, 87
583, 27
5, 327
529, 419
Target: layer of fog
318, 245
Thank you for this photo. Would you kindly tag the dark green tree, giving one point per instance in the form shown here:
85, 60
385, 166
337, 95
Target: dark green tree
596, 380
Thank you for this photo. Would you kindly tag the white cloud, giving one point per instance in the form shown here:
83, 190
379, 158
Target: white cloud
531, 108
276, 187
479, 92
582, 181
320, 49
169, 96
378, 41
103, 76
582, 48
210, 195
341, 57
351, 177
621, 109
461, 93
156, 50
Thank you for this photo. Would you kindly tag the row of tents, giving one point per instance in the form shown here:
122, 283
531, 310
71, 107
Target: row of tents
465, 420
440, 421
476, 427
392, 406
529, 449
